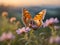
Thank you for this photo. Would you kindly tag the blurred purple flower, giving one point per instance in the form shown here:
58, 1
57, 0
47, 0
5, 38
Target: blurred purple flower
50, 21
56, 20
27, 29
57, 39
7, 36
23, 29
18, 31
54, 39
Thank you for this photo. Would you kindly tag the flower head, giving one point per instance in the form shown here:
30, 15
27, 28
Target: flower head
7, 36
10, 36
12, 19
23, 29
3, 37
4, 13
50, 22
55, 39
52, 39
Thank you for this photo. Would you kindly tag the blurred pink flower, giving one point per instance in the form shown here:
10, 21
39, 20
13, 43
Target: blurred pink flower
3, 37
57, 40
12, 19
50, 22
10, 36
5, 13
7, 36
23, 29
54, 39
27, 29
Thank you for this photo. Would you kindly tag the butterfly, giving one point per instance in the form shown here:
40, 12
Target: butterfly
35, 22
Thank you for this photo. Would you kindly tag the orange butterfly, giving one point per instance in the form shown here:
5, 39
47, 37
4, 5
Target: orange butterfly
35, 22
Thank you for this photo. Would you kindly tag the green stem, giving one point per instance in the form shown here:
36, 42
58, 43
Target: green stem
26, 36
8, 43
31, 33
53, 30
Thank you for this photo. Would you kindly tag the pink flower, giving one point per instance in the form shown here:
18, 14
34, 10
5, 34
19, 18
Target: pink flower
50, 22
23, 29
56, 20
10, 36
52, 40
7, 36
12, 19
27, 29
55, 39
5, 13
3, 37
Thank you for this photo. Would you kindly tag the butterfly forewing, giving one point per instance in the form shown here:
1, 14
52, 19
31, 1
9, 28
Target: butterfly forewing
26, 16
39, 17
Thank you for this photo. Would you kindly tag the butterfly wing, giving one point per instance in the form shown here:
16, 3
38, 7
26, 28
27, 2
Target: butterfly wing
39, 17
26, 17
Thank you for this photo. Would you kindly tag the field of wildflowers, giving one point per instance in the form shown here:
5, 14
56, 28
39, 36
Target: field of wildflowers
12, 32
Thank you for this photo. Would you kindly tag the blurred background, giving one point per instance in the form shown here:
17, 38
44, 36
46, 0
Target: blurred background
14, 7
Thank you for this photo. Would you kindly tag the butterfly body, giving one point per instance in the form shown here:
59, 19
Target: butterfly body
35, 22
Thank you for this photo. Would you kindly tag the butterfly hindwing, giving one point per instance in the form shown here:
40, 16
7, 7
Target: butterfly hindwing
26, 17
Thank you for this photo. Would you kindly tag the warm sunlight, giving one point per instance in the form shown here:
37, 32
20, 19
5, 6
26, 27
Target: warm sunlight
29, 2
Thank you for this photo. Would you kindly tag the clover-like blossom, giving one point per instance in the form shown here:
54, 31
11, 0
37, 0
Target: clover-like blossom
6, 36
54, 39
50, 21
23, 29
